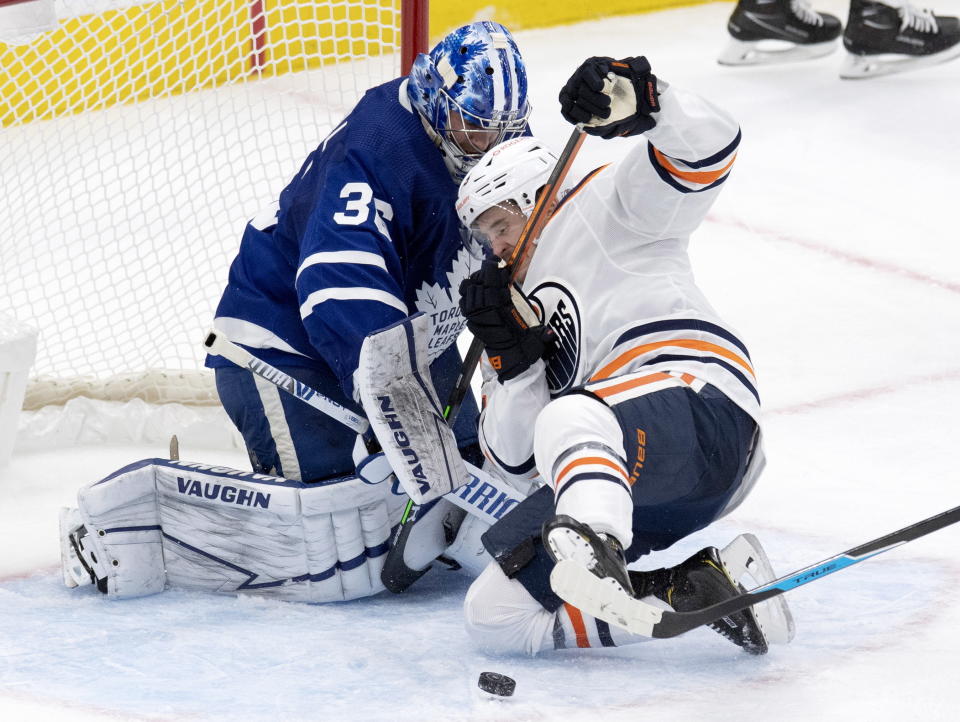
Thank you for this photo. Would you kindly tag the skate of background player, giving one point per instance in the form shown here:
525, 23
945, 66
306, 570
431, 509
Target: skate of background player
847, 282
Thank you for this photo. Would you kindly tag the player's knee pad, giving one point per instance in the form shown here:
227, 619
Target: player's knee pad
501, 616
578, 443
159, 522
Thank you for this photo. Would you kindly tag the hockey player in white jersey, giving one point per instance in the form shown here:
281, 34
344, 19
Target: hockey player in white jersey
631, 397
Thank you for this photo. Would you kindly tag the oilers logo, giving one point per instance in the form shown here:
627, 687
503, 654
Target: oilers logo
556, 304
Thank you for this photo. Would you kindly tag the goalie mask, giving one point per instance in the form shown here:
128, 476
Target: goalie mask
511, 172
471, 90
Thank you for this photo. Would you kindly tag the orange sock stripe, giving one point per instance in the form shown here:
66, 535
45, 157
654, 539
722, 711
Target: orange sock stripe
588, 460
579, 628
703, 177
625, 358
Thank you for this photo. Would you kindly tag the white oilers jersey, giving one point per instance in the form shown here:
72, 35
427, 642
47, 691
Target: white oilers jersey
612, 277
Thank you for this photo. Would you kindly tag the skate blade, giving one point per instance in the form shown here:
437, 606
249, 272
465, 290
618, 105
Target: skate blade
859, 67
603, 599
772, 52
745, 556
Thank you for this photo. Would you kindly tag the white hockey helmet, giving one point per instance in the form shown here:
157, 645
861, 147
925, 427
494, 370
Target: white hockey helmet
512, 171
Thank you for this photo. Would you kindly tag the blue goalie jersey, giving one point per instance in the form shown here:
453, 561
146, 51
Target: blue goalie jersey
365, 234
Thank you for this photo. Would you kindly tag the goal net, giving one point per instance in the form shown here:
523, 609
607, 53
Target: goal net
138, 138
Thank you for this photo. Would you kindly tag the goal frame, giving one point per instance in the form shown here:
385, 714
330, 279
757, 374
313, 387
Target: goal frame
122, 382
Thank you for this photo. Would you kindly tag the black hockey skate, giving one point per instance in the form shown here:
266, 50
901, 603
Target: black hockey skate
567, 538
778, 31
880, 39
698, 582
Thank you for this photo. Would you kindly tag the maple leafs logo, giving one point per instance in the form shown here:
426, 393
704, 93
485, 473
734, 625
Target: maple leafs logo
440, 301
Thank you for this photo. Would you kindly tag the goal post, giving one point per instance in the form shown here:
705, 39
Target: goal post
139, 137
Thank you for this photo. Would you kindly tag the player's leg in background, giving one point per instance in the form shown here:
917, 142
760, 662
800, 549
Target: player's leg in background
284, 436
502, 616
891, 37
778, 31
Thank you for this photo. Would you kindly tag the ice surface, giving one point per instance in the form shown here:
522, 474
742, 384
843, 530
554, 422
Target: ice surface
834, 250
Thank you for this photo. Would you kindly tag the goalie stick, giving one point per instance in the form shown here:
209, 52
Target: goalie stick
578, 586
482, 496
219, 345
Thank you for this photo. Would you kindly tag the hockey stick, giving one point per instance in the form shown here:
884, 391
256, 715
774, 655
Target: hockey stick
531, 231
218, 345
482, 496
641, 618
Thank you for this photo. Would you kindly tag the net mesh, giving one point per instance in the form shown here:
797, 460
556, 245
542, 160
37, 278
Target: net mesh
138, 138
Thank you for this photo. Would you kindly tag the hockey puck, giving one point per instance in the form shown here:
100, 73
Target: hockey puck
497, 684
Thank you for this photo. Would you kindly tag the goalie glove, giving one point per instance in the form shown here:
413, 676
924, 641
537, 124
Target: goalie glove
610, 97
512, 337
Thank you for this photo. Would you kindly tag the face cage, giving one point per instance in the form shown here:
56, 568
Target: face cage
507, 125
479, 243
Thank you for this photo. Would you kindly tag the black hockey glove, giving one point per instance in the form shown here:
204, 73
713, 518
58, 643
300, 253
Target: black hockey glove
584, 100
512, 345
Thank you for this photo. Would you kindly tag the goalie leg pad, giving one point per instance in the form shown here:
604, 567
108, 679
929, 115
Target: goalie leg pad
346, 533
195, 526
467, 549
116, 532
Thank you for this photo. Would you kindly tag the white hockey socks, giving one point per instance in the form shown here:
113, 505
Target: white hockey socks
579, 446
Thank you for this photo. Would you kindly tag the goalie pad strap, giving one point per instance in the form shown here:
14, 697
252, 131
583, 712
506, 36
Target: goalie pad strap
160, 522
